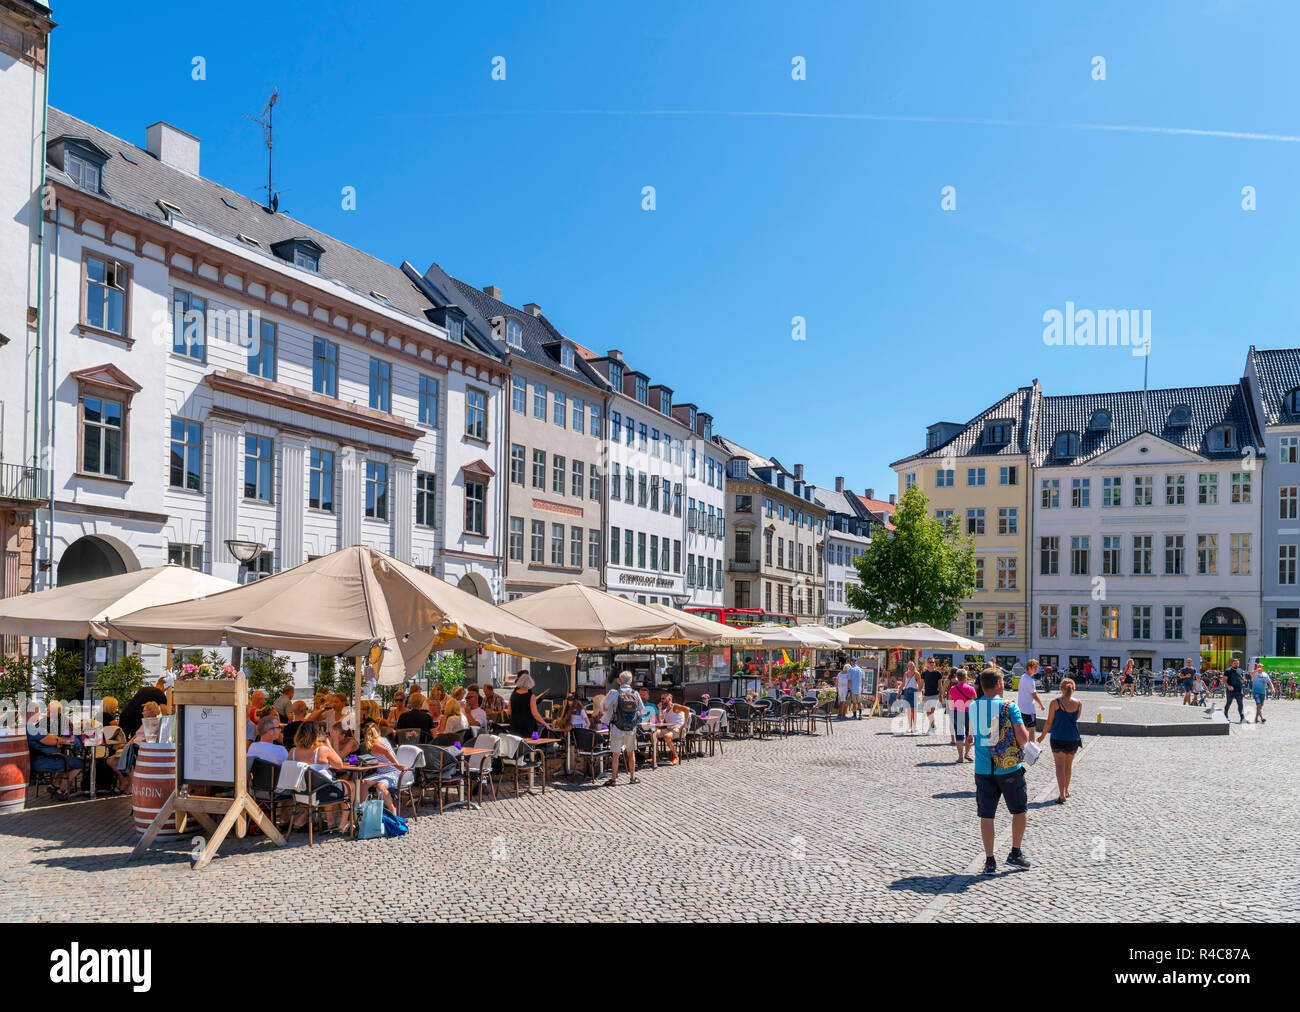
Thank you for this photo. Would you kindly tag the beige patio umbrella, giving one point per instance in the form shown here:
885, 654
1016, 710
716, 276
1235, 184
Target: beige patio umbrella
794, 637
919, 636
717, 633
81, 610
861, 629
591, 619
346, 603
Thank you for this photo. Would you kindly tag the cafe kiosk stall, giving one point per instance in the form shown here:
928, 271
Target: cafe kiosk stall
211, 756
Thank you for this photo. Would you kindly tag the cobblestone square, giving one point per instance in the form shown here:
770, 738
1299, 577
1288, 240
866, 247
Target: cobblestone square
859, 824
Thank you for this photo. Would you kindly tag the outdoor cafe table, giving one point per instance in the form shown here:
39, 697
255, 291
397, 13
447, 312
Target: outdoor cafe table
86, 753
538, 742
465, 753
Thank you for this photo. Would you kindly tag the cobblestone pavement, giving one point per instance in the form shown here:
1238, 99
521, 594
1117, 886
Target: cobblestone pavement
861, 824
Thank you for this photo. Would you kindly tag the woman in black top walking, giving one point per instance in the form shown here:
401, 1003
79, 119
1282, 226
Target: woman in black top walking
1063, 723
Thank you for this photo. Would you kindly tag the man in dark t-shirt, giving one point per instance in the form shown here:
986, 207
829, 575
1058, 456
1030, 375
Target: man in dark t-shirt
1187, 675
930, 679
133, 712
1233, 677
419, 718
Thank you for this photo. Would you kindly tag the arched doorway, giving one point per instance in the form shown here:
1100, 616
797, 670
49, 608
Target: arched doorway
1223, 637
469, 583
91, 558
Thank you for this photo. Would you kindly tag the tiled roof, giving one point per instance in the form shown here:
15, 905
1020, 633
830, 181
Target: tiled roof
139, 183
1207, 406
1017, 407
840, 502
1278, 370
540, 338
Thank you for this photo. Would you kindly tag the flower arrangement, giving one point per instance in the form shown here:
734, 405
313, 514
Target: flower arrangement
207, 669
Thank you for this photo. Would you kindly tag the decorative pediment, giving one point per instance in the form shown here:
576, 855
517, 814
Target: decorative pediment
481, 468
107, 377
1146, 448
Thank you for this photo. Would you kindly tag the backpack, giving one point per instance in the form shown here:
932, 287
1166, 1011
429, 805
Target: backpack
394, 825
627, 710
1006, 753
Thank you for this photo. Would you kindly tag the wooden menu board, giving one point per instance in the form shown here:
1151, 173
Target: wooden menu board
211, 751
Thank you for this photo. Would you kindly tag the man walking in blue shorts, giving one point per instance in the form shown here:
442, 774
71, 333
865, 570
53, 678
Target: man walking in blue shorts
1000, 737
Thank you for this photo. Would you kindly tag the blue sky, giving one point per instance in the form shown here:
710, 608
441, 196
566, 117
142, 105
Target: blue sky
914, 314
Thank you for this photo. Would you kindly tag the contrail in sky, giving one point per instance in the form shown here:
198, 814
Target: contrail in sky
1243, 135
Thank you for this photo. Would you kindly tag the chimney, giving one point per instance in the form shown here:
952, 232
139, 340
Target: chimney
615, 354
493, 291
798, 472
839, 484
893, 499
871, 493
533, 307
173, 147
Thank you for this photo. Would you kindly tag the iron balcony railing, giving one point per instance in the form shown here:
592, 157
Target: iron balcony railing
23, 483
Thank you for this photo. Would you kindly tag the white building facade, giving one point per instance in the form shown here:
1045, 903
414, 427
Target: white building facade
221, 372
1146, 530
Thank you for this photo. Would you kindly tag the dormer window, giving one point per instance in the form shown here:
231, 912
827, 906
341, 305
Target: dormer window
643, 390
455, 328
1291, 402
995, 434
616, 376
301, 252
514, 333
82, 159
1180, 417
566, 356
692, 417
1100, 421
1066, 444
1223, 438
665, 403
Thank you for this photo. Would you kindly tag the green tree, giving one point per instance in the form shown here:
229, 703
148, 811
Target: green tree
120, 679
919, 572
15, 678
266, 671
448, 669
62, 675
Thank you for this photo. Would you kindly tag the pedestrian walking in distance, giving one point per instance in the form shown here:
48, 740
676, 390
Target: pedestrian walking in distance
1236, 684
1027, 697
1188, 676
1260, 684
960, 696
1063, 725
1000, 737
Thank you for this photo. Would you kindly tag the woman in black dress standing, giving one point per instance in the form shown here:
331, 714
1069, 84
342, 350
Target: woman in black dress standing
525, 721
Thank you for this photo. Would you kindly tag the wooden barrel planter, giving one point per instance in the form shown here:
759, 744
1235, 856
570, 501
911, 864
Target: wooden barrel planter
153, 779
15, 768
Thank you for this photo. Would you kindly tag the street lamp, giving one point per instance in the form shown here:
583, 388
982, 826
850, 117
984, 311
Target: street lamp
680, 600
244, 553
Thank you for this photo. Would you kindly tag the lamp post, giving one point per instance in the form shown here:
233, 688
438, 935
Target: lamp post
244, 553
680, 600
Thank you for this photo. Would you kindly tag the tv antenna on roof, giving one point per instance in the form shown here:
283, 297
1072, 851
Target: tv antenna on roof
272, 198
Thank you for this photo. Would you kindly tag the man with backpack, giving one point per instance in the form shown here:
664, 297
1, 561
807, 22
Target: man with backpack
624, 712
1000, 737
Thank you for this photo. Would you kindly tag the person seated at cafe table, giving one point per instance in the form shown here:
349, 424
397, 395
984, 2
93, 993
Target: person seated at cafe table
42, 745
453, 719
674, 716
283, 701
525, 721
651, 711
297, 714
129, 719
268, 745
256, 700
342, 741
571, 714
417, 718
437, 693
323, 759
473, 709
492, 702
338, 710
108, 711
398, 708
388, 773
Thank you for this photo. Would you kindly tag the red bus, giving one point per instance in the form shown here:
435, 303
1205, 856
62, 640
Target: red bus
742, 618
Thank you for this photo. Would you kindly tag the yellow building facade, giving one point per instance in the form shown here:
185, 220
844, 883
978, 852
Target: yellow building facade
976, 476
